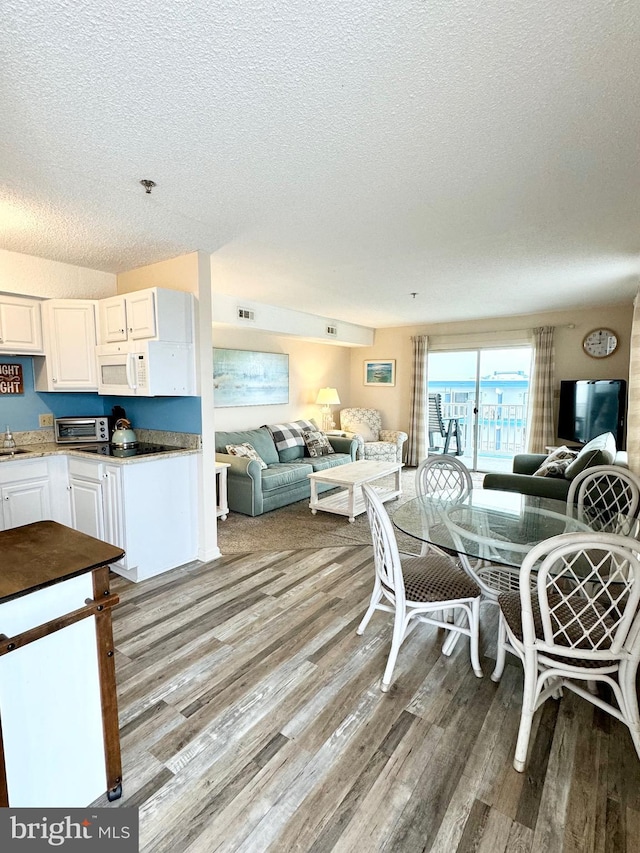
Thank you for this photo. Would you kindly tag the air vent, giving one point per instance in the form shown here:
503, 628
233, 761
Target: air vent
333, 331
246, 314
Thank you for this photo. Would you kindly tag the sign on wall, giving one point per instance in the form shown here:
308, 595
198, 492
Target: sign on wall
11, 379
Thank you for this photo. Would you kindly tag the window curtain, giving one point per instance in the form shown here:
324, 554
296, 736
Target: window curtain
541, 428
417, 448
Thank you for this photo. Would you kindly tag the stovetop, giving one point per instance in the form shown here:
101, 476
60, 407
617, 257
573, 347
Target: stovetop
141, 449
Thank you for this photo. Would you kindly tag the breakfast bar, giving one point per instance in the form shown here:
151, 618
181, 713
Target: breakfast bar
59, 739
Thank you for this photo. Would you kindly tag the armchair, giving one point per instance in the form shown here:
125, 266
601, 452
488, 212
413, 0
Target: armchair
365, 425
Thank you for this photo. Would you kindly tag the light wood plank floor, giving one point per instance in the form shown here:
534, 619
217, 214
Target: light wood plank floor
252, 720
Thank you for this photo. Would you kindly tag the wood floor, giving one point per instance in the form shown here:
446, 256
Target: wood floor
252, 720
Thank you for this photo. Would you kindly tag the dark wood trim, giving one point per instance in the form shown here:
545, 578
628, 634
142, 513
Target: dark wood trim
107, 670
95, 608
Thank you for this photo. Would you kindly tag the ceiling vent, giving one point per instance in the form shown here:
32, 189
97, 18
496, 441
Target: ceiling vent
332, 331
246, 314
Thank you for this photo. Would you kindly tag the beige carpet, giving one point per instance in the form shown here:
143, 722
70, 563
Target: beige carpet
293, 527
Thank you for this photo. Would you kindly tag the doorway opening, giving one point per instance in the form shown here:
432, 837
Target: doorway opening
487, 392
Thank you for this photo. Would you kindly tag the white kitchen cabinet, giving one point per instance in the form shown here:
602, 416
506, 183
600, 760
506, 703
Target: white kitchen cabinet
151, 314
87, 514
20, 325
69, 363
147, 508
33, 490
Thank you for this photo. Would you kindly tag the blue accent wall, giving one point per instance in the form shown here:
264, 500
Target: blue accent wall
20, 411
175, 414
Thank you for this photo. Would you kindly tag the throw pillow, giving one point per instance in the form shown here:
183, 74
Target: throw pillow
248, 450
601, 450
317, 443
556, 463
290, 434
364, 429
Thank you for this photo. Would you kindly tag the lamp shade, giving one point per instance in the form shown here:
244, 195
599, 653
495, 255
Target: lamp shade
328, 397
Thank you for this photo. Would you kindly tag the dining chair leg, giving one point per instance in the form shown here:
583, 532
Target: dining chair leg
627, 681
501, 650
474, 627
376, 596
526, 718
399, 630
452, 637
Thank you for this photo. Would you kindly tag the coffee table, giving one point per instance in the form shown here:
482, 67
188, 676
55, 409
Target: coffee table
349, 478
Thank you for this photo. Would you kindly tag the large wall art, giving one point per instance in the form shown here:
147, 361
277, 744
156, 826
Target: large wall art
248, 378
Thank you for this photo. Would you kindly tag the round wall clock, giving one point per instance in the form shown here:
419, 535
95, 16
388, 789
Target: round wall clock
600, 343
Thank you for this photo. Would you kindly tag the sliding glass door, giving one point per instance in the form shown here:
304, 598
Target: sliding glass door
487, 391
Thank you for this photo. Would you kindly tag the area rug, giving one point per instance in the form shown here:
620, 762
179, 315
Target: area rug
293, 527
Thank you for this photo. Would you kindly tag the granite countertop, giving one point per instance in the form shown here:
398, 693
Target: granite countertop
34, 451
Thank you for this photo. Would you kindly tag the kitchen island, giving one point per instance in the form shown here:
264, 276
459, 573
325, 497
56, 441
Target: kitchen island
59, 740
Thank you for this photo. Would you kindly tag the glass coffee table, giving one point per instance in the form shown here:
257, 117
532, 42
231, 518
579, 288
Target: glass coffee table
348, 479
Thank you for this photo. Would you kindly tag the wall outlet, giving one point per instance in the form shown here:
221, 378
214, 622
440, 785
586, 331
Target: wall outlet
45, 420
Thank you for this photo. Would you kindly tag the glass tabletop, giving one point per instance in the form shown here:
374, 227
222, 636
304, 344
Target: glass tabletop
498, 526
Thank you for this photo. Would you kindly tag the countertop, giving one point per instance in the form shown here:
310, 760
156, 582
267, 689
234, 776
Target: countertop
45, 552
34, 451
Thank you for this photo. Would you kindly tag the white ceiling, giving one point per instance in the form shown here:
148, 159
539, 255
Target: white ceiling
336, 156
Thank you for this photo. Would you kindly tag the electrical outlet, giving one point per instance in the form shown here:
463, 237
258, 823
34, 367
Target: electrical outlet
45, 420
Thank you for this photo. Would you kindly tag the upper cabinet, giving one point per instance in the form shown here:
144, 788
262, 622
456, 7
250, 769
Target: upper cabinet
152, 314
69, 346
20, 325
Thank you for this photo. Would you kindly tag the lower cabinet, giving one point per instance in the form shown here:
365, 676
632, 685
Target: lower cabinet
30, 491
147, 508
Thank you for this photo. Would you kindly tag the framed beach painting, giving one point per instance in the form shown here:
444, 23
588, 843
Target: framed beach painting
380, 372
249, 378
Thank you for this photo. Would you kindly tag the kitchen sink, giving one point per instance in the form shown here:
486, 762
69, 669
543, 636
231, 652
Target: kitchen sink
11, 451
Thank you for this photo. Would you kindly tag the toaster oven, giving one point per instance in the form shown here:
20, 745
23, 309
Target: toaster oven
77, 430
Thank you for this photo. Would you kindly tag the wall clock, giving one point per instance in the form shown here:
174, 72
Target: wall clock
600, 343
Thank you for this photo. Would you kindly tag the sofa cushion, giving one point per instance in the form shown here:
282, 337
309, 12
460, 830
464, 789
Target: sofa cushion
283, 474
321, 463
288, 439
248, 450
260, 439
317, 443
556, 463
601, 450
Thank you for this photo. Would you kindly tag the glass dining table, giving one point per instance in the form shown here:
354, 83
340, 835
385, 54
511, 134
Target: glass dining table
498, 526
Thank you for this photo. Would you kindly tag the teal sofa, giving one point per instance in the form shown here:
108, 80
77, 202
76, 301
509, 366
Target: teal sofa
599, 451
252, 490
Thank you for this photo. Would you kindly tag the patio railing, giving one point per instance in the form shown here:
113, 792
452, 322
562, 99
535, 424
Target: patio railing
502, 426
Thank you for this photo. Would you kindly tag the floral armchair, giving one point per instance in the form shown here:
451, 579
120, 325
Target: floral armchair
365, 425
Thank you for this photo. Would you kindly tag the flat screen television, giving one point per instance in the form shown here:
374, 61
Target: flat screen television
590, 407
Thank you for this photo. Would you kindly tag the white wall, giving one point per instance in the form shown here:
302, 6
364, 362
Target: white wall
571, 361
33, 276
311, 367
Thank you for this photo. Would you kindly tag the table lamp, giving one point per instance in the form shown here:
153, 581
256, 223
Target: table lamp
327, 397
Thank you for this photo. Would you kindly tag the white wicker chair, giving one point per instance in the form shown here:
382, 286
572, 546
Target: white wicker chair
579, 624
442, 476
417, 588
375, 443
604, 495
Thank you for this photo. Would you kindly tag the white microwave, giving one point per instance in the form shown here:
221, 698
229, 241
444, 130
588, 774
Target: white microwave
146, 369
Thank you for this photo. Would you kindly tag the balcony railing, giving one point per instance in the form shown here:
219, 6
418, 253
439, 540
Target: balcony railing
502, 426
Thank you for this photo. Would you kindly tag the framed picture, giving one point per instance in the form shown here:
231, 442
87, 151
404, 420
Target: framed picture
247, 378
380, 372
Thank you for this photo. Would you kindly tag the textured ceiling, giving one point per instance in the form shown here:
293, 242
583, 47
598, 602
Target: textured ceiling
333, 157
